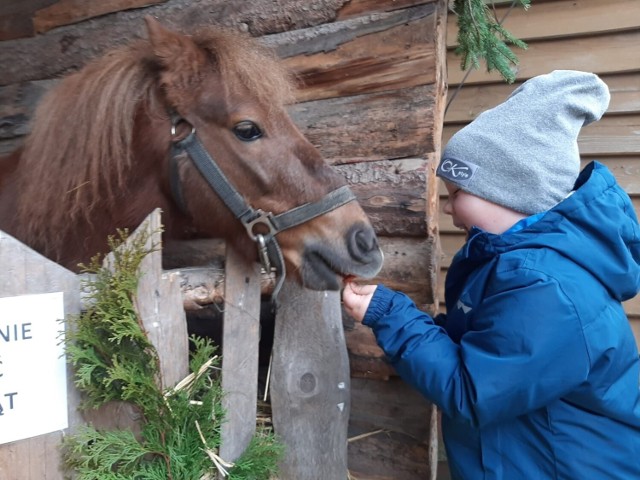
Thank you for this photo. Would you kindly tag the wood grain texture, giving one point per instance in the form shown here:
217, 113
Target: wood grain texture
241, 336
72, 46
66, 12
391, 51
372, 126
310, 384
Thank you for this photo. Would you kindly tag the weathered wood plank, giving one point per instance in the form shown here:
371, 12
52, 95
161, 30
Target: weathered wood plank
355, 8
471, 100
368, 127
159, 305
241, 336
14, 26
73, 46
392, 193
391, 51
26, 272
584, 53
66, 12
16, 17
310, 384
562, 19
17, 104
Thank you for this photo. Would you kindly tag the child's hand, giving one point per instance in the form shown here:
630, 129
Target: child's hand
356, 298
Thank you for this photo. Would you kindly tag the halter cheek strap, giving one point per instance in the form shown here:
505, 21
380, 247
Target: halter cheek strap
254, 220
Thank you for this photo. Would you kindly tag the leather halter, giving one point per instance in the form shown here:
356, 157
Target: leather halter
269, 250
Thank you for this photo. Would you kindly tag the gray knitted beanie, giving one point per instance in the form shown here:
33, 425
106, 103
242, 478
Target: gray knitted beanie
523, 154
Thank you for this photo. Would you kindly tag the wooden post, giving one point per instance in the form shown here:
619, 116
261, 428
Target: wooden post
310, 384
25, 272
240, 339
159, 304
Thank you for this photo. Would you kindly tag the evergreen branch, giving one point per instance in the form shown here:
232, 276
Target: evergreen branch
481, 36
114, 360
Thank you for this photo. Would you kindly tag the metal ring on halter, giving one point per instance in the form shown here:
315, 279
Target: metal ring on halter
174, 124
263, 218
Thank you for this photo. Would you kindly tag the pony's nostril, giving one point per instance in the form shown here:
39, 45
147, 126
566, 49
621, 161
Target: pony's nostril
362, 242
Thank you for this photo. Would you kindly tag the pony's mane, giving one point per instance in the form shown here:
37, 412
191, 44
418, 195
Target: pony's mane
80, 147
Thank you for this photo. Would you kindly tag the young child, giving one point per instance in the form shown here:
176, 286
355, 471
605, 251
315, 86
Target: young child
534, 366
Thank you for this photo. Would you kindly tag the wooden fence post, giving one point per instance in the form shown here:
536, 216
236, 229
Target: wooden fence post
240, 339
310, 384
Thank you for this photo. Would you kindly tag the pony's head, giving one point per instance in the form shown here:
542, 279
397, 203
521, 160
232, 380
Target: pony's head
132, 108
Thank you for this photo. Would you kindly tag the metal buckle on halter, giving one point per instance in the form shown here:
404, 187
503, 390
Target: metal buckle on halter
262, 218
263, 254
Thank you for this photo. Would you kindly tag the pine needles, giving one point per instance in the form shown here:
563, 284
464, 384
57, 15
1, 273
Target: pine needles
481, 36
114, 361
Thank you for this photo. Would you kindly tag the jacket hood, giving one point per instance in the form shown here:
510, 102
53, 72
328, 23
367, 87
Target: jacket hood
596, 228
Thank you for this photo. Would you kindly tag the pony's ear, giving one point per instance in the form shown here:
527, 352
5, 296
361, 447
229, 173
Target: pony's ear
181, 59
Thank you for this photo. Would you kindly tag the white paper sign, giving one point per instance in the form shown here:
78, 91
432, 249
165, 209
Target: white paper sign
33, 378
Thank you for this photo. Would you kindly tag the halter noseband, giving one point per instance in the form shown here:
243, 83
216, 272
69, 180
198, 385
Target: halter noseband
254, 220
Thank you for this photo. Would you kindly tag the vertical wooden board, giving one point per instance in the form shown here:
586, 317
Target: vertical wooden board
159, 304
240, 339
310, 384
26, 272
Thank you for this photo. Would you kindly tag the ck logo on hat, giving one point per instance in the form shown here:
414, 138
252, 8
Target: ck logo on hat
456, 171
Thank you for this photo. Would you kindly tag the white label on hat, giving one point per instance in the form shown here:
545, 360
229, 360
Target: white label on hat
456, 171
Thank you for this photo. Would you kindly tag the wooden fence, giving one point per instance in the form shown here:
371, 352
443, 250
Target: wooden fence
310, 385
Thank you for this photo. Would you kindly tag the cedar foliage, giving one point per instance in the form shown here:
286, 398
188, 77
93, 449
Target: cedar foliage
481, 36
114, 361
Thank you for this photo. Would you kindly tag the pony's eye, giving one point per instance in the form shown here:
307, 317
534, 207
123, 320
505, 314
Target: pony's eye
247, 131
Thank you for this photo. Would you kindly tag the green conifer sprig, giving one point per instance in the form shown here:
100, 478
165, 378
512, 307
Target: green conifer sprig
481, 36
114, 360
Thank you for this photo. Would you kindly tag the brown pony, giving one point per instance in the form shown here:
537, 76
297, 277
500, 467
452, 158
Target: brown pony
98, 158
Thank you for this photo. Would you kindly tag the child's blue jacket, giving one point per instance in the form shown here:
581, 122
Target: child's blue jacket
535, 366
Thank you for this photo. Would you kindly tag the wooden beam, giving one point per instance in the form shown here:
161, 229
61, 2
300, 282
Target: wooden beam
354, 8
392, 51
66, 12
30, 58
372, 126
